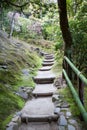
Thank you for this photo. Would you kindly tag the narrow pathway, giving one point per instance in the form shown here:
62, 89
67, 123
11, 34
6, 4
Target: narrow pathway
38, 114
47, 110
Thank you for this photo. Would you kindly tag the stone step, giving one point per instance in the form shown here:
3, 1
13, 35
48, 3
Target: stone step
39, 126
39, 110
47, 63
49, 60
42, 94
43, 90
47, 54
49, 57
44, 77
39, 118
44, 80
45, 68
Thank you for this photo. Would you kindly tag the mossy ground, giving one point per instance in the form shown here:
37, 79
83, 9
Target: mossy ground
9, 103
57, 69
15, 56
44, 45
69, 98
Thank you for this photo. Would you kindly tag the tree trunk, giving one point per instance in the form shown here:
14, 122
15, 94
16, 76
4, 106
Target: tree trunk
65, 27
12, 25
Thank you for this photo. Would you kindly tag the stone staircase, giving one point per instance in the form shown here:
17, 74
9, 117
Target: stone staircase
46, 110
40, 110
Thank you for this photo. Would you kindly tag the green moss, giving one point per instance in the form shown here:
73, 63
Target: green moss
69, 98
25, 81
6, 121
57, 67
44, 45
9, 103
15, 57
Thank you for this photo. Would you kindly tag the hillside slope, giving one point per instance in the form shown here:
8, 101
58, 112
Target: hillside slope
15, 56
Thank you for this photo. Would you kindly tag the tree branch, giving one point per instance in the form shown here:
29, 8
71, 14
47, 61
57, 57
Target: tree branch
19, 6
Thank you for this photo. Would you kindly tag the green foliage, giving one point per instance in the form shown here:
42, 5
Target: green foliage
79, 33
47, 31
58, 46
73, 7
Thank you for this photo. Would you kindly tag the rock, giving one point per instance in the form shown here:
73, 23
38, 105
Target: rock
68, 114
24, 90
22, 94
62, 121
32, 49
58, 82
57, 110
29, 91
61, 128
11, 124
41, 53
18, 113
4, 66
65, 105
64, 109
70, 127
55, 98
37, 50
15, 119
71, 121
56, 102
13, 127
18, 44
29, 88
58, 105
64, 85
61, 96
60, 101
22, 87
62, 113
25, 72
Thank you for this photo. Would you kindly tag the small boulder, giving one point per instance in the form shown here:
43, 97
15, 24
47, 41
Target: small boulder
57, 110
55, 98
68, 114
13, 127
65, 105
70, 127
22, 94
62, 121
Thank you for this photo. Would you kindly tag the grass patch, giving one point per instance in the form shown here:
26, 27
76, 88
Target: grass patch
6, 121
9, 103
57, 67
85, 97
69, 98
25, 81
